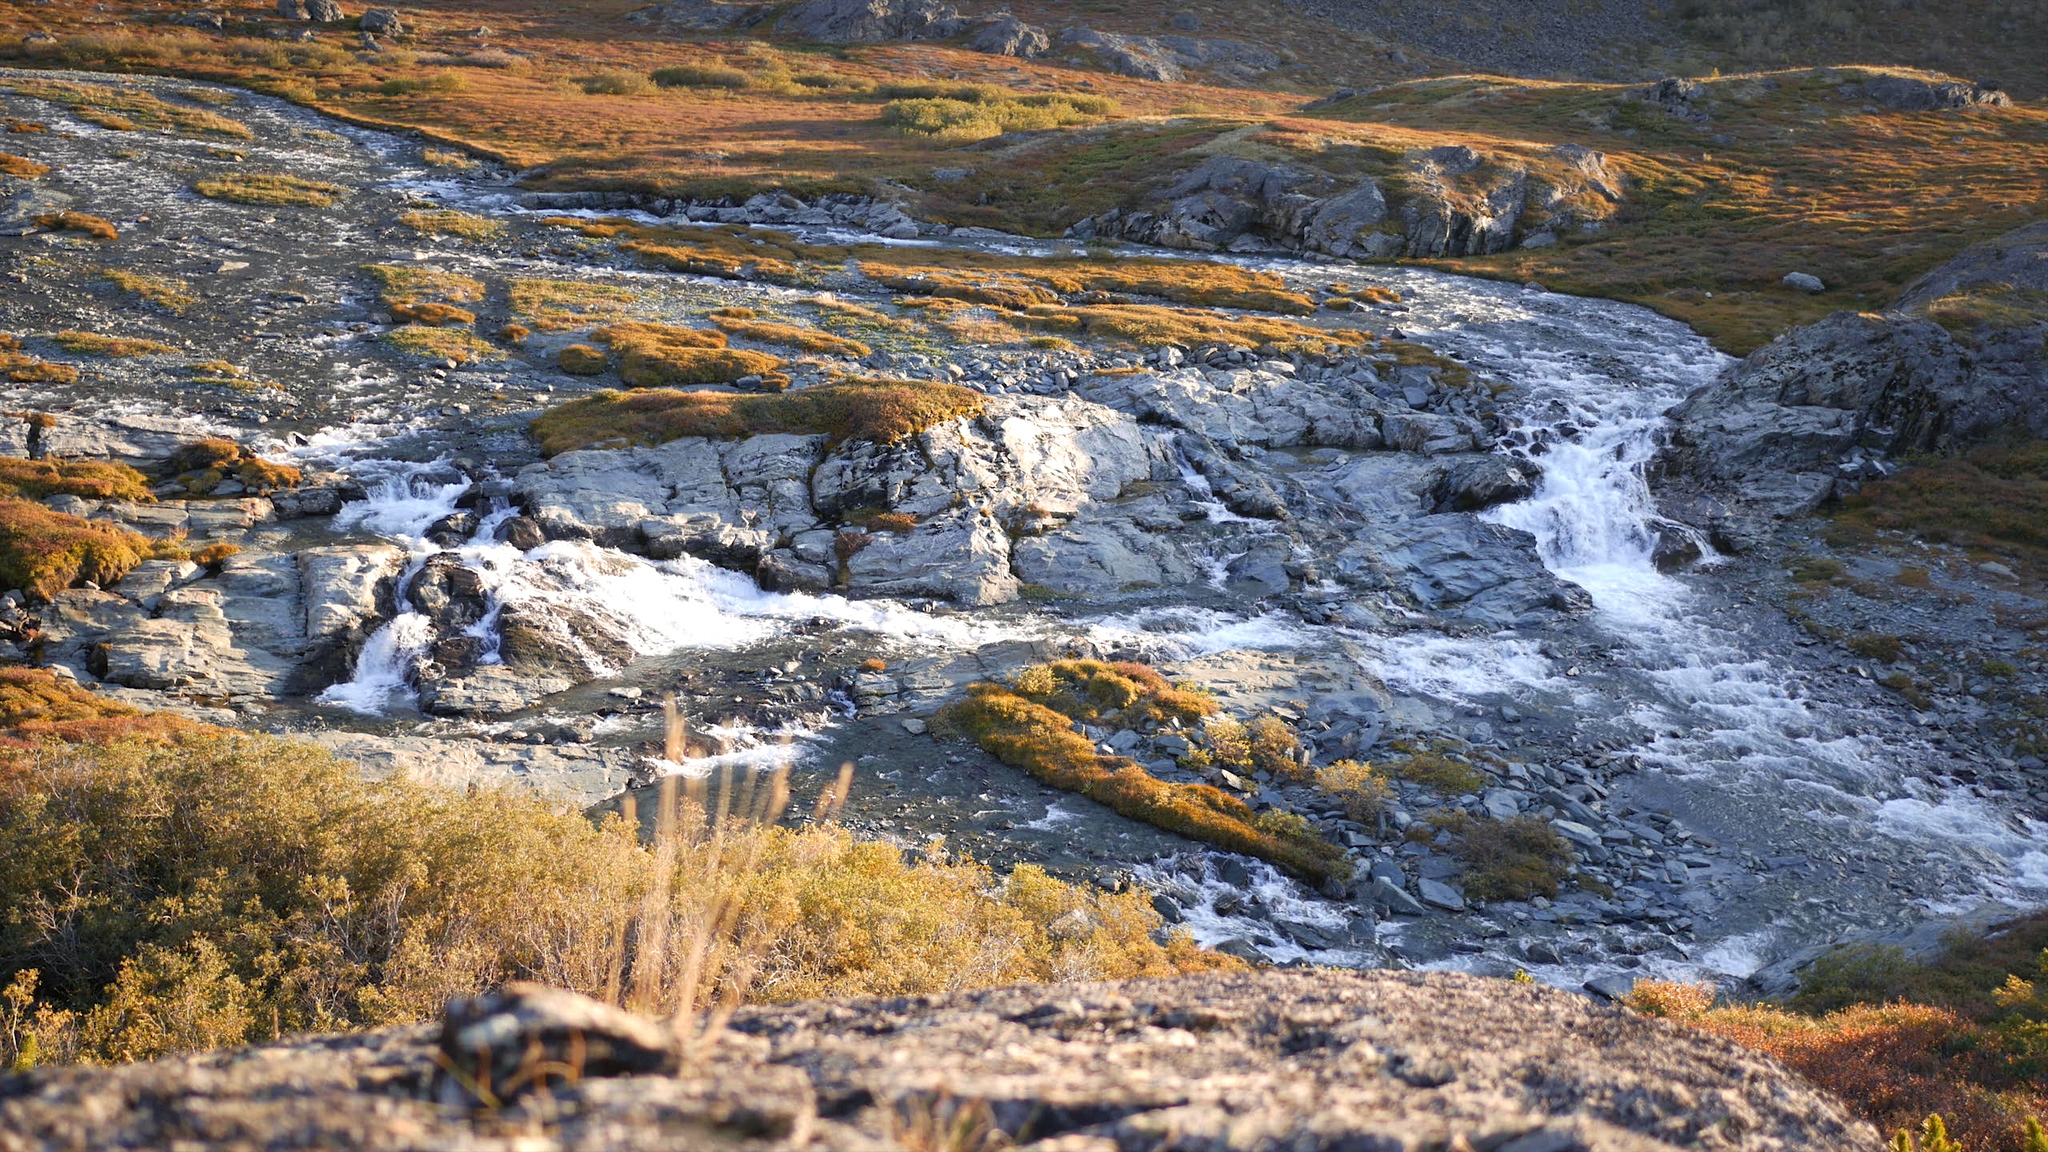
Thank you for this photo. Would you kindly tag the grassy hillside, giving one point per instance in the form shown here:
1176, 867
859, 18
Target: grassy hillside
1780, 171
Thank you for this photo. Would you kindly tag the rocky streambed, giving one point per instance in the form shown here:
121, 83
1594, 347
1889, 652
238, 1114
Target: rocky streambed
1388, 555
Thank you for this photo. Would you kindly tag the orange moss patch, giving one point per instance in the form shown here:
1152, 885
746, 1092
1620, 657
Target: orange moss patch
25, 369
38, 705
793, 336
22, 166
43, 552
95, 344
663, 356
1014, 726
91, 479
434, 314
882, 411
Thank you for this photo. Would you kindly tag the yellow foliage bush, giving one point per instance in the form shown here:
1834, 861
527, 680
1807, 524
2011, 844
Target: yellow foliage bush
1357, 786
224, 889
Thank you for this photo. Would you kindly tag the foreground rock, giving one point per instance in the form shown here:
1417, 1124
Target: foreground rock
1272, 1060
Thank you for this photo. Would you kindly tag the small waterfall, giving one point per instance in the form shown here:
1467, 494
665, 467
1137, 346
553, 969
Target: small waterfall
402, 504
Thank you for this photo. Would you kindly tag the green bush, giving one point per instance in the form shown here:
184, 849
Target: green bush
700, 76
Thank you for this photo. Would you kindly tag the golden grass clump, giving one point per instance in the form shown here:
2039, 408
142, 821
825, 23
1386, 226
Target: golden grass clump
22, 368
163, 291
566, 305
218, 889
43, 552
448, 222
1014, 726
409, 283
427, 342
1150, 326
1512, 859
91, 479
665, 356
21, 167
67, 221
1358, 786
992, 113
433, 314
269, 189
793, 336
94, 344
881, 411
583, 360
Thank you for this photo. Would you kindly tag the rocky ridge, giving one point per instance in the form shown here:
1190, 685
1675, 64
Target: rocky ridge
1385, 1061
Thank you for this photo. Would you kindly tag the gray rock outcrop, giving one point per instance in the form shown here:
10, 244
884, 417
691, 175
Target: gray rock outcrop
382, 22
1395, 1061
1004, 35
1912, 94
1455, 202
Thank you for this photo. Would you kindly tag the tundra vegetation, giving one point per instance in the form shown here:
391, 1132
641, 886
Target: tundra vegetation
1960, 1035
1034, 724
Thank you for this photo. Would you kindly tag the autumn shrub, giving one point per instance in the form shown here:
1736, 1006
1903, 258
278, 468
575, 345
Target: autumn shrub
162, 291
67, 221
791, 335
700, 76
448, 222
564, 305
43, 552
1440, 771
431, 342
1989, 498
203, 464
219, 889
1880, 646
411, 284
1356, 785
582, 360
1960, 1033
879, 411
433, 314
613, 82
1041, 739
36, 704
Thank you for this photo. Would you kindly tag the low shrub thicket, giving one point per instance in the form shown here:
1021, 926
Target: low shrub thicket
92, 479
68, 221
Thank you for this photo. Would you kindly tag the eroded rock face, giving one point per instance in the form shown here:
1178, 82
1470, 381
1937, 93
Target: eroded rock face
1394, 1061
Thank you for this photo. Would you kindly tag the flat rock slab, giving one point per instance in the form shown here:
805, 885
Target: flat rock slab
1399, 1062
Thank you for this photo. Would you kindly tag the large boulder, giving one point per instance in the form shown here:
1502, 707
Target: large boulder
872, 21
1400, 1061
1004, 35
